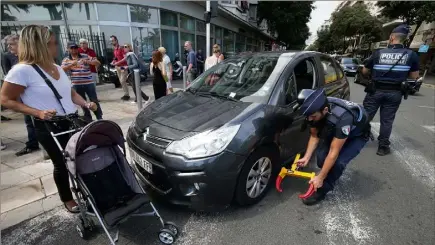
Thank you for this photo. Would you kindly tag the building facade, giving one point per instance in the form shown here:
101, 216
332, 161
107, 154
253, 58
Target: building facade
146, 24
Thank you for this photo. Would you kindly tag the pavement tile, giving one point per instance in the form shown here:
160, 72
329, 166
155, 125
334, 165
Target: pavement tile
22, 213
38, 169
20, 195
49, 185
5, 168
51, 202
13, 178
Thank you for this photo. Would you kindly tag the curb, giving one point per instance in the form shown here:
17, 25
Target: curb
427, 85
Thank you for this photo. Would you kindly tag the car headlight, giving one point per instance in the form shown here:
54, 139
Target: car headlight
204, 144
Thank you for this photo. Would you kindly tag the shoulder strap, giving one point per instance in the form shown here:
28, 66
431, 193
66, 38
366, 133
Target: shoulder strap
50, 85
406, 51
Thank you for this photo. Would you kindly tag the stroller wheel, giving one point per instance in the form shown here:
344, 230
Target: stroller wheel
83, 231
172, 227
166, 236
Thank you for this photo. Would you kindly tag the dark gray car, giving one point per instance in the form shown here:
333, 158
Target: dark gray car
226, 137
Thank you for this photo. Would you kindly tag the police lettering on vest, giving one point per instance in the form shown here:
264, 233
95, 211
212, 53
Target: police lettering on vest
392, 64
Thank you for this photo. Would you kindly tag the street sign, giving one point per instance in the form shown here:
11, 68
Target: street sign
423, 48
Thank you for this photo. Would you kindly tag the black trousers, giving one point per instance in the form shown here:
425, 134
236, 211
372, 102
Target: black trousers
388, 101
131, 81
60, 172
32, 142
159, 89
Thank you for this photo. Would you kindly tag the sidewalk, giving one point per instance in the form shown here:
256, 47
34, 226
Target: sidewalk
27, 185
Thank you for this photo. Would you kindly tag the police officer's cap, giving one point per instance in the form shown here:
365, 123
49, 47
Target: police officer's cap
403, 29
314, 102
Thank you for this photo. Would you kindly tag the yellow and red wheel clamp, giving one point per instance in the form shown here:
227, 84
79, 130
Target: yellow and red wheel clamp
294, 171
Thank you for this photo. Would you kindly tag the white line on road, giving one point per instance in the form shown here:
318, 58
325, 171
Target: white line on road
344, 222
429, 127
425, 106
413, 159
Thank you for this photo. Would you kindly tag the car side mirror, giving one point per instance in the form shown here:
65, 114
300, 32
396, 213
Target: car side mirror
303, 95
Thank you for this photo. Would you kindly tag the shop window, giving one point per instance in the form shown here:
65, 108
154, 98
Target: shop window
80, 11
121, 32
143, 14
168, 18
219, 32
187, 23
31, 12
170, 42
145, 40
201, 42
200, 26
112, 12
228, 46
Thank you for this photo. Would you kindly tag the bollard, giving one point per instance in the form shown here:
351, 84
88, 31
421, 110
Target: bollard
137, 86
184, 77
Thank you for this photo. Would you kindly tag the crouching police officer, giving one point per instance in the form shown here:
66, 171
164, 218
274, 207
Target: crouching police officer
339, 130
390, 67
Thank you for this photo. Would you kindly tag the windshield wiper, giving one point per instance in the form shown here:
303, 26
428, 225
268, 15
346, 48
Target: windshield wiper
214, 94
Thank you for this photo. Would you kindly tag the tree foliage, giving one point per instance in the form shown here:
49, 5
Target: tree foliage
411, 12
288, 20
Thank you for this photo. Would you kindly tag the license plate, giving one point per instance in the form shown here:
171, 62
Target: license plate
146, 165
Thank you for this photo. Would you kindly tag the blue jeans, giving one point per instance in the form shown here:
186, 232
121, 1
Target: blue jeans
388, 101
91, 91
351, 149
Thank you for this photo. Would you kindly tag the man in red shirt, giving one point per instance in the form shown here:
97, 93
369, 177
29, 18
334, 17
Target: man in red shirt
84, 49
120, 62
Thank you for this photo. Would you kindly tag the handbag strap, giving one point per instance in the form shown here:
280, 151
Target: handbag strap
50, 85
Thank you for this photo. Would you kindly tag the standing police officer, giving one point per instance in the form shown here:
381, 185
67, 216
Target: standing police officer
339, 130
389, 67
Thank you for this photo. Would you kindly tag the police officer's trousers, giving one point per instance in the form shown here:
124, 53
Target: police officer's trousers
351, 149
388, 101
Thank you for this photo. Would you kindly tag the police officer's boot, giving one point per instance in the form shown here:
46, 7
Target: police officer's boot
383, 150
317, 197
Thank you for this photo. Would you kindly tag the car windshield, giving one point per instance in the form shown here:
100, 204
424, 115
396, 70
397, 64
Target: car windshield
248, 78
350, 61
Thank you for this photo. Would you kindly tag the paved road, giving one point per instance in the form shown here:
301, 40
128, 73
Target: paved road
380, 200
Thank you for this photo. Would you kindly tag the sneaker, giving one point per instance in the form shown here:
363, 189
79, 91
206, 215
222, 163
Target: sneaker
147, 102
125, 97
5, 118
316, 198
2, 147
383, 150
26, 150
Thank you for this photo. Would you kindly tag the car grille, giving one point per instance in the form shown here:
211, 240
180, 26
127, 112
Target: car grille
157, 141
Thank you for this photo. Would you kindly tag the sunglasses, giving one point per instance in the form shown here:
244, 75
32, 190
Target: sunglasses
126, 46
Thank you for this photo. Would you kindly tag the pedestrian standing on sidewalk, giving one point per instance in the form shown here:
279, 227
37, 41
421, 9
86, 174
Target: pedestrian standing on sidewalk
29, 80
168, 68
134, 63
389, 68
200, 61
78, 65
192, 66
215, 58
119, 61
84, 49
157, 68
9, 61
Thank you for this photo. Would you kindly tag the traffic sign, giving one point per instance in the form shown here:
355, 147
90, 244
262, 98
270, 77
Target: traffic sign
423, 48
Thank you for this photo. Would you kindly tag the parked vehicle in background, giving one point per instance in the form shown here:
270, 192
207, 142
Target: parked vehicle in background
226, 137
350, 65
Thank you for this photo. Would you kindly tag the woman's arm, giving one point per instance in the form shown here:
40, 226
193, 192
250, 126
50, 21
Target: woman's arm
10, 93
134, 63
78, 100
151, 69
119, 62
221, 57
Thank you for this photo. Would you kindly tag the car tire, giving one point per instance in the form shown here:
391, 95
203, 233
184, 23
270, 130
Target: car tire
412, 92
244, 195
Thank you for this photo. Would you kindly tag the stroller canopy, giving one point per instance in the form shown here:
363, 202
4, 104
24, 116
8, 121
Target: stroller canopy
98, 133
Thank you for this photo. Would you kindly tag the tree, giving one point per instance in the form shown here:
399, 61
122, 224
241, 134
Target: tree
288, 20
326, 42
410, 12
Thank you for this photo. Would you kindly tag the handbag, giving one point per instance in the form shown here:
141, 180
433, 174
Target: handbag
74, 119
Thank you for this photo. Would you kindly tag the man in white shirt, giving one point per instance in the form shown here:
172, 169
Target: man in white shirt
168, 68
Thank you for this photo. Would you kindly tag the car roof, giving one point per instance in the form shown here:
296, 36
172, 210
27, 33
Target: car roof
286, 53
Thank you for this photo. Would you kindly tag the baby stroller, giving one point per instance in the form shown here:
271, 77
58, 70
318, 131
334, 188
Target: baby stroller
104, 183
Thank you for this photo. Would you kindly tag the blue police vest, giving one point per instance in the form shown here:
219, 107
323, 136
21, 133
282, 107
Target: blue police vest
339, 107
386, 58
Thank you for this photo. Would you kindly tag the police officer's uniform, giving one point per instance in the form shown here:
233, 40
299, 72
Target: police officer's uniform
389, 68
345, 120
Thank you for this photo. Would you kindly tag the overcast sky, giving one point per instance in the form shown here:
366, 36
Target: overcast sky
322, 12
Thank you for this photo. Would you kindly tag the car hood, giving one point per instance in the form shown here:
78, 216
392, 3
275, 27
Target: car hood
176, 115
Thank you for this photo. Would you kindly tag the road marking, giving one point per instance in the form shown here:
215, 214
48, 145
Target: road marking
413, 159
344, 223
425, 106
429, 127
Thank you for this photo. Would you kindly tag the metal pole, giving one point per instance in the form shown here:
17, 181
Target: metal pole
207, 45
137, 86
184, 77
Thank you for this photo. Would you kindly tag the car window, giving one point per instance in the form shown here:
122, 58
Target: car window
291, 92
339, 70
350, 61
249, 78
328, 69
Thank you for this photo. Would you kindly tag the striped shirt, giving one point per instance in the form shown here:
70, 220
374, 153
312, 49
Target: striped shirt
80, 74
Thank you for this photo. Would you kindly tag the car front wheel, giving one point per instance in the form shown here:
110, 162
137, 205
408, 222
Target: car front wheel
257, 176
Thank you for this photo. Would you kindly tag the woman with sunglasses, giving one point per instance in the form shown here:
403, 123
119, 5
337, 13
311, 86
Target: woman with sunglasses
50, 107
133, 63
